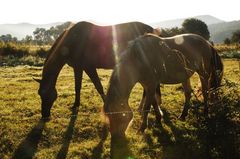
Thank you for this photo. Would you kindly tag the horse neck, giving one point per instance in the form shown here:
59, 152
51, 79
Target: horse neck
54, 61
122, 81
51, 69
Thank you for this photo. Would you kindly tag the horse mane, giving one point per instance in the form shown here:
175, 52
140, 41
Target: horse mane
112, 92
54, 45
58, 42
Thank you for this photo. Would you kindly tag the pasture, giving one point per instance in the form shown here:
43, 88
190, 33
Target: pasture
78, 134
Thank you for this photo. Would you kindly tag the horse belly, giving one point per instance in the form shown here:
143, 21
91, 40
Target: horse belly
100, 57
176, 78
174, 73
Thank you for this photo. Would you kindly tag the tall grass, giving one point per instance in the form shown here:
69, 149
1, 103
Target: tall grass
227, 48
228, 51
13, 54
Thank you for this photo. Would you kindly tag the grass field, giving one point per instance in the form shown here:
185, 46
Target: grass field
23, 135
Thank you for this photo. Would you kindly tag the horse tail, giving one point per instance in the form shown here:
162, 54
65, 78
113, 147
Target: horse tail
217, 70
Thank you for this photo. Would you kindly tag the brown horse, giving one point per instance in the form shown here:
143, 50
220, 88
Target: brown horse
150, 60
85, 47
189, 47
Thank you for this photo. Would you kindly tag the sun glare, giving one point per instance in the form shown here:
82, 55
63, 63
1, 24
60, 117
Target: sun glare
115, 44
111, 11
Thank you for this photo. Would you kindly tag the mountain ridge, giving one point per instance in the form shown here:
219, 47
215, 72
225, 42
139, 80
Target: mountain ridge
208, 19
219, 29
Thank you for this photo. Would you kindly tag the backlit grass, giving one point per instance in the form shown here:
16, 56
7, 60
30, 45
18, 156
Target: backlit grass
23, 135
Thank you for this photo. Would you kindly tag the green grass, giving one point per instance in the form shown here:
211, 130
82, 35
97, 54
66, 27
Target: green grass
22, 134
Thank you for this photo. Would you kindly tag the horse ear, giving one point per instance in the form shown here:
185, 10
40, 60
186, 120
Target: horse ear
37, 80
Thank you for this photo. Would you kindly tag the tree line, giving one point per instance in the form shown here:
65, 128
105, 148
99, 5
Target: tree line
42, 36
196, 26
235, 39
191, 25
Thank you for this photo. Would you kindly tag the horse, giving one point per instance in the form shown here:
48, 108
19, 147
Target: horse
85, 47
151, 60
186, 44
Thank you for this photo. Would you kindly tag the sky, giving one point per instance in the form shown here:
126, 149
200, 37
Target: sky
113, 11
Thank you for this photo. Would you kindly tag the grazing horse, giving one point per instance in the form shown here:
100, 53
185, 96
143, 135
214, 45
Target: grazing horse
193, 46
85, 47
149, 60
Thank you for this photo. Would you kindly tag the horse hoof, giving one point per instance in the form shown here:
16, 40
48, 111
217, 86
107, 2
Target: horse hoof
140, 131
140, 111
158, 124
45, 119
76, 104
142, 128
182, 118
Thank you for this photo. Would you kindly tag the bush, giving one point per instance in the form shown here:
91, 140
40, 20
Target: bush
12, 54
11, 49
42, 53
220, 133
230, 54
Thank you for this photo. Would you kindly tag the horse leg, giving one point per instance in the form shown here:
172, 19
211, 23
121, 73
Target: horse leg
78, 84
158, 95
187, 92
143, 101
157, 111
146, 109
92, 73
150, 99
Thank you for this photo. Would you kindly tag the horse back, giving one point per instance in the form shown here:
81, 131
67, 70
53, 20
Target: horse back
156, 60
105, 43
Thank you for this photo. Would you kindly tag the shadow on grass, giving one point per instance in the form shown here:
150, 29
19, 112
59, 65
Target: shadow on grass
62, 154
214, 137
98, 150
120, 148
28, 147
185, 142
173, 140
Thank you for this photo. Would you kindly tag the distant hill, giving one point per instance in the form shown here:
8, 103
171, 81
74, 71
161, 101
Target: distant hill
218, 28
221, 31
20, 30
208, 19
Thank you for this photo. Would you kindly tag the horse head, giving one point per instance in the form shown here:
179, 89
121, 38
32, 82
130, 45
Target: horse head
118, 115
48, 96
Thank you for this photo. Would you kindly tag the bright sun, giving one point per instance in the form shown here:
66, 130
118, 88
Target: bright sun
111, 11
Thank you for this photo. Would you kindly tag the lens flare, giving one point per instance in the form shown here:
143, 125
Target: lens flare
115, 44
179, 40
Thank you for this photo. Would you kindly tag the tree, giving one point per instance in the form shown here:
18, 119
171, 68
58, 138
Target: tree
8, 38
171, 32
60, 28
196, 26
39, 35
28, 39
236, 37
43, 36
227, 41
